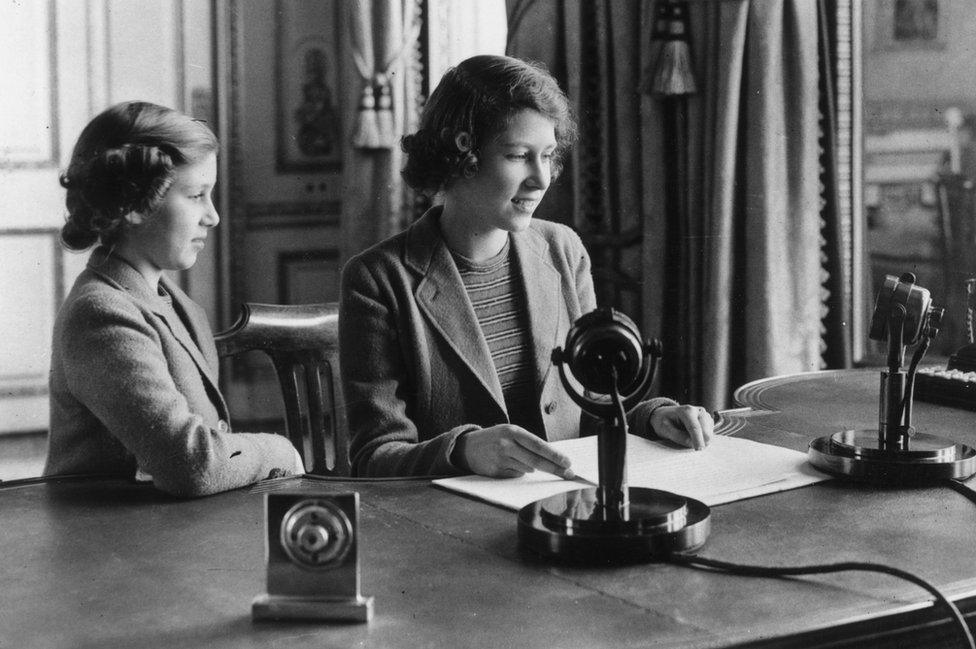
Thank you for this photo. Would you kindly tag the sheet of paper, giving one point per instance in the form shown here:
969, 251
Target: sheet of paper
513, 493
729, 469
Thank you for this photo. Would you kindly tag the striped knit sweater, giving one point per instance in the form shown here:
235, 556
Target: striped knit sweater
492, 287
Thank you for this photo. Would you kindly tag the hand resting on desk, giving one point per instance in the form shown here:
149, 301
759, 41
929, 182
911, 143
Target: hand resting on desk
690, 426
508, 451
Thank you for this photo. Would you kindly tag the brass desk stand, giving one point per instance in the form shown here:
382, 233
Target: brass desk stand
313, 559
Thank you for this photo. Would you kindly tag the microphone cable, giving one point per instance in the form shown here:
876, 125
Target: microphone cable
961, 489
788, 571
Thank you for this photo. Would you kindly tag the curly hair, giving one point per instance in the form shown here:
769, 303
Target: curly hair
125, 161
473, 102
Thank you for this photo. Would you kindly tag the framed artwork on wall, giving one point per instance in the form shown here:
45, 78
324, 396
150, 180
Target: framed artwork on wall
911, 24
308, 276
307, 86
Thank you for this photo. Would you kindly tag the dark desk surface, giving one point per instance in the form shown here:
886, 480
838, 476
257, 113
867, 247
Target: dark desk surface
95, 563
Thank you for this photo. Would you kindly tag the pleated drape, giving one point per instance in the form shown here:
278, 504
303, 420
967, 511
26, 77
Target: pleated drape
754, 148
383, 46
597, 50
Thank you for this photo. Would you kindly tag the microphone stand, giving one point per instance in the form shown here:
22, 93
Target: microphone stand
893, 430
611, 522
612, 493
896, 453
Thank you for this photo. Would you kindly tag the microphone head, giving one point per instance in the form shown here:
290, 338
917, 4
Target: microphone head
903, 293
601, 343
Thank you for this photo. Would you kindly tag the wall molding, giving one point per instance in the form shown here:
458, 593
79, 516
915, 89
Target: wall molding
290, 258
47, 154
292, 214
21, 384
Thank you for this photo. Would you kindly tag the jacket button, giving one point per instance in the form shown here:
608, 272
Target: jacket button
222, 426
550, 407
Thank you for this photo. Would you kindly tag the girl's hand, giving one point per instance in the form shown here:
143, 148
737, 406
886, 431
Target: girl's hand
686, 425
507, 451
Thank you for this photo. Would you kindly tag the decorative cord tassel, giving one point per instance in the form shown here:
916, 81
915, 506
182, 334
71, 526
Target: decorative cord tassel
672, 73
386, 133
367, 133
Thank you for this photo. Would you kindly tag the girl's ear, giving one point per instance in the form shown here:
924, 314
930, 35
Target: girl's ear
134, 218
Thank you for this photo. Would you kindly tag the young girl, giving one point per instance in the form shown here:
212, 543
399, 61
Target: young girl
446, 330
134, 368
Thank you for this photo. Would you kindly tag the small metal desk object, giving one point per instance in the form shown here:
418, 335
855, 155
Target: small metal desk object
313, 559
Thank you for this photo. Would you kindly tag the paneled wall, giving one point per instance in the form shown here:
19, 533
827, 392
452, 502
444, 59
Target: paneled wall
63, 62
283, 129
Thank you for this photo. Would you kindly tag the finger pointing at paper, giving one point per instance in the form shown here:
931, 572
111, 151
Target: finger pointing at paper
508, 451
687, 425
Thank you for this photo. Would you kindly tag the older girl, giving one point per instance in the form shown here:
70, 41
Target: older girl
446, 330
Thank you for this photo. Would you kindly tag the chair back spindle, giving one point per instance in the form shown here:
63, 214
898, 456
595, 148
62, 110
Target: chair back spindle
302, 342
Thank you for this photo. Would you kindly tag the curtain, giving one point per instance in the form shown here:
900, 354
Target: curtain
755, 170
596, 51
725, 262
836, 176
384, 46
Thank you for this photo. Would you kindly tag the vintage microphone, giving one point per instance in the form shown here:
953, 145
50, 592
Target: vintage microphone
611, 523
896, 453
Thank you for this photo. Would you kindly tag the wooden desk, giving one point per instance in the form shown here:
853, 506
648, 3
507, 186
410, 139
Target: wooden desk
102, 563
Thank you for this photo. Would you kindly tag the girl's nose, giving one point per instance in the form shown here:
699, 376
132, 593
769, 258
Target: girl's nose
541, 173
211, 219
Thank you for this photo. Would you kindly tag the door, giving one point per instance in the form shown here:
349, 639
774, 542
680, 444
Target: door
63, 62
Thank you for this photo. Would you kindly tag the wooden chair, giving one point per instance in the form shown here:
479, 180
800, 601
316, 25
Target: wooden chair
303, 344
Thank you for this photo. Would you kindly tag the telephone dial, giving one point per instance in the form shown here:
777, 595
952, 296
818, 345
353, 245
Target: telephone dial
956, 384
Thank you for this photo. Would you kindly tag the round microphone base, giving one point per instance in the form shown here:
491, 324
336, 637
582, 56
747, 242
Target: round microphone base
859, 455
572, 526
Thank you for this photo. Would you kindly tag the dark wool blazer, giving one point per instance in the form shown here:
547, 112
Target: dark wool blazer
416, 369
133, 390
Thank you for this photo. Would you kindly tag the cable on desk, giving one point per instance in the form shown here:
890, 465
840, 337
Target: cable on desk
843, 566
962, 490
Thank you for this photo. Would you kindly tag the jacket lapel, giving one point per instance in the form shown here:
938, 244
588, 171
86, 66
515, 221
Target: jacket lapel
442, 299
542, 285
190, 335
129, 279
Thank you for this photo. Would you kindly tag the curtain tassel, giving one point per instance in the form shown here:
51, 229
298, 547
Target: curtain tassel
384, 113
673, 73
367, 133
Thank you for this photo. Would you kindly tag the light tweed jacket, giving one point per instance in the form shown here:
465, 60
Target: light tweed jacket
132, 389
416, 369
